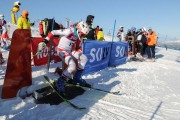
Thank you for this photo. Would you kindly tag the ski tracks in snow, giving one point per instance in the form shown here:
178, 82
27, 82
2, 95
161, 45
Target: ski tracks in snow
112, 108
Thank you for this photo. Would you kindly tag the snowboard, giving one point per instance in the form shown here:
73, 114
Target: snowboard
18, 72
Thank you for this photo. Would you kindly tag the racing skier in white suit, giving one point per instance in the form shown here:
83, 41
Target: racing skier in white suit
69, 49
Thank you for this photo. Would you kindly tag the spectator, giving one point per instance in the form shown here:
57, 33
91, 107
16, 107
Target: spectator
1, 58
2, 21
96, 30
91, 35
144, 40
151, 42
100, 35
4, 34
23, 21
120, 33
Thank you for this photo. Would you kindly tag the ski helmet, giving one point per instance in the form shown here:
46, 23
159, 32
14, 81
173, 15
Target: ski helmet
1, 16
143, 29
121, 27
150, 30
17, 4
83, 28
133, 29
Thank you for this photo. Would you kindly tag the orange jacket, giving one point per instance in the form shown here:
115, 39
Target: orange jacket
152, 38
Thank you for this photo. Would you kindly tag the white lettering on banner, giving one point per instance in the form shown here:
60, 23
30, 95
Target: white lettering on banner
120, 51
45, 52
92, 53
99, 54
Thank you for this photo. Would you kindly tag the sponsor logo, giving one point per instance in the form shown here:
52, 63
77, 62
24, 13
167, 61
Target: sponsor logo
120, 51
99, 54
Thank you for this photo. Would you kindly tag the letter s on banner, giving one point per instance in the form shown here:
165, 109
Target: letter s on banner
92, 53
117, 51
120, 51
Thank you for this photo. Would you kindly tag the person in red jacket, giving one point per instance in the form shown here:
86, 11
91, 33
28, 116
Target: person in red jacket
151, 42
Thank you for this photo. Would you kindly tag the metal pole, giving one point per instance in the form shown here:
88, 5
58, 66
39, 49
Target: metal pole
114, 30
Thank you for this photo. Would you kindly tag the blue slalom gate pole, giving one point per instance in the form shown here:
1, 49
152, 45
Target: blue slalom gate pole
113, 35
114, 30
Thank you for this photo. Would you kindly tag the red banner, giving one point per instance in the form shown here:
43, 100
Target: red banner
42, 58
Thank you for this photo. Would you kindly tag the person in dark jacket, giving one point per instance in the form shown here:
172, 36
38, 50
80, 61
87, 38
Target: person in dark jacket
91, 35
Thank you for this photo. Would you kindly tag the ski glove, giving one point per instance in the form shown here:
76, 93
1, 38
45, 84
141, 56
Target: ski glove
42, 45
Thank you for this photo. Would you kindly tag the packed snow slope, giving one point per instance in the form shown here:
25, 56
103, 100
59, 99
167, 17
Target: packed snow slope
149, 91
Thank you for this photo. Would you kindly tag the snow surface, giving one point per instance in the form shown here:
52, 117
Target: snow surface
149, 91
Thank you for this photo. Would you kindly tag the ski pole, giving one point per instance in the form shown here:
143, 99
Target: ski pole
50, 48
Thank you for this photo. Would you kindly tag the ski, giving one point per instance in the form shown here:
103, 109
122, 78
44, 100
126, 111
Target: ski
92, 88
64, 99
97, 89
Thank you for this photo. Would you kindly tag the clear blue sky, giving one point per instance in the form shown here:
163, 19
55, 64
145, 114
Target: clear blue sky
162, 15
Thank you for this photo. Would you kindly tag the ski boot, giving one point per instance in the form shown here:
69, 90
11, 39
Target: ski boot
59, 85
59, 71
78, 80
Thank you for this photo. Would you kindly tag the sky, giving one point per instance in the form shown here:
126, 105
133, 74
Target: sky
162, 15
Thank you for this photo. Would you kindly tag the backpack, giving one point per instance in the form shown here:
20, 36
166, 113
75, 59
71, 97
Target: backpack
45, 26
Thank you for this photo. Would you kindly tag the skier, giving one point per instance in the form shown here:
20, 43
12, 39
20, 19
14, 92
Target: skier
69, 50
120, 33
4, 34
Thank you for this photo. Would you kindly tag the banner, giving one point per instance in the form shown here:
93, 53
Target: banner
118, 53
42, 58
98, 53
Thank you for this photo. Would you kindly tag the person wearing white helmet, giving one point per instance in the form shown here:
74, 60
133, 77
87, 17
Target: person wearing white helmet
69, 49
120, 33
1, 17
3, 33
144, 30
2, 21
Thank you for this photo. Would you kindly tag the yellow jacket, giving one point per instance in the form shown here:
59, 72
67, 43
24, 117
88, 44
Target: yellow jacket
23, 23
100, 36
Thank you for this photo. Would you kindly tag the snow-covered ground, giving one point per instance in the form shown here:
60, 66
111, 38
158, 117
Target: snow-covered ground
170, 44
149, 91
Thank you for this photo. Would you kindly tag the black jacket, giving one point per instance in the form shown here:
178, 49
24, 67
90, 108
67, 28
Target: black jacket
91, 34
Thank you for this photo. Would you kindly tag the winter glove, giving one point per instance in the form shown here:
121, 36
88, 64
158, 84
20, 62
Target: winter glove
42, 45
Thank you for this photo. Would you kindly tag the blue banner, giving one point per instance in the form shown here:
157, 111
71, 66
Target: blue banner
118, 53
98, 54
